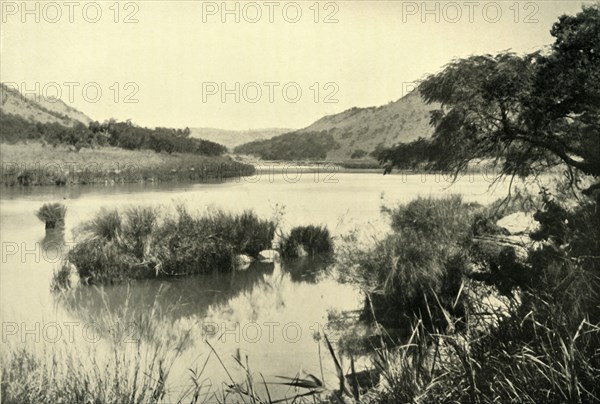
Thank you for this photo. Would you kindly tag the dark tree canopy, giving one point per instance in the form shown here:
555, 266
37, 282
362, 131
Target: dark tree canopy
525, 113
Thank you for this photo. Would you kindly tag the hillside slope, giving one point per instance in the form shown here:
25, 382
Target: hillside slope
39, 109
353, 133
233, 138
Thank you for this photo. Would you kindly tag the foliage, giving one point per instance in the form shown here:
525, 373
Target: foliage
537, 337
142, 243
291, 146
312, 239
358, 154
14, 129
422, 262
528, 113
52, 214
501, 357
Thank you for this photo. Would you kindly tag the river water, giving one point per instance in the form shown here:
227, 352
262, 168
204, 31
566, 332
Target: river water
269, 312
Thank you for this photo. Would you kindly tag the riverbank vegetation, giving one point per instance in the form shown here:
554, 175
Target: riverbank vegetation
146, 243
456, 308
485, 318
290, 146
34, 164
306, 240
52, 214
125, 135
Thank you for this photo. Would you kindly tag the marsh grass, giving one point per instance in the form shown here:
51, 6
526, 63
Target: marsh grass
423, 260
500, 357
143, 242
147, 366
115, 165
52, 214
313, 240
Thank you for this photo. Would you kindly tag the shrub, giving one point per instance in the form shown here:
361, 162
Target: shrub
105, 225
52, 214
191, 245
246, 231
313, 239
140, 243
358, 153
416, 271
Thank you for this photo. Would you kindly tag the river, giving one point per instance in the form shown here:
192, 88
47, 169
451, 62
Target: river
269, 312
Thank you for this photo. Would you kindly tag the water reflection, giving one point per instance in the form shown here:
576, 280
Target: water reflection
297, 293
188, 296
177, 297
53, 240
307, 269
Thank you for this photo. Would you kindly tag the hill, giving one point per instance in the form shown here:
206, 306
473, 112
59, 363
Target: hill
233, 138
39, 109
353, 133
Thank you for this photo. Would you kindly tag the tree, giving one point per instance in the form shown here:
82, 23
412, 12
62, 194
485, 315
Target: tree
526, 113
530, 115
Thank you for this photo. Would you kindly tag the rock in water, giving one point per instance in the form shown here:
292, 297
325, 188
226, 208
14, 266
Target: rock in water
268, 255
242, 262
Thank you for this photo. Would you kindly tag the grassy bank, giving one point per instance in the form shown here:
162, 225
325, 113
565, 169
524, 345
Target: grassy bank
449, 318
37, 164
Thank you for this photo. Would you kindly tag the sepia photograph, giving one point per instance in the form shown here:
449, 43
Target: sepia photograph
311, 201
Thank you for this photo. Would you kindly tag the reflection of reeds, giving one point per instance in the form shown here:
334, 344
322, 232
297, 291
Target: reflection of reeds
137, 364
52, 214
133, 365
54, 239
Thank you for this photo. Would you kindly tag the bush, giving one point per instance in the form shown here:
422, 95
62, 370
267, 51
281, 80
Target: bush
358, 154
416, 271
52, 214
140, 243
137, 228
105, 225
247, 231
314, 240
535, 340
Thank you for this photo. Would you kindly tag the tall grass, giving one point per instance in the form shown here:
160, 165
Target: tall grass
52, 214
311, 240
500, 357
142, 243
423, 260
529, 333
114, 165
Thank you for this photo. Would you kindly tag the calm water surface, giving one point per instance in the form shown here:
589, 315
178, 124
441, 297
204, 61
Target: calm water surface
268, 312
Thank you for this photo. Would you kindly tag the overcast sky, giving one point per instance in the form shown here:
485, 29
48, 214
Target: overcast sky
369, 52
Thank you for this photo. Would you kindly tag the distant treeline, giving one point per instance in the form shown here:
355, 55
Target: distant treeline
126, 135
291, 146
421, 154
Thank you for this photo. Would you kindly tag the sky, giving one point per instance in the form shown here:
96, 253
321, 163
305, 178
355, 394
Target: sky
249, 65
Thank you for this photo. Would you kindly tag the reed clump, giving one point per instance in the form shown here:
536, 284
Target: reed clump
52, 214
306, 240
143, 242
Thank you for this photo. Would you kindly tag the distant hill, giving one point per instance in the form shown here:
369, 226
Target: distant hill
233, 138
39, 109
353, 133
